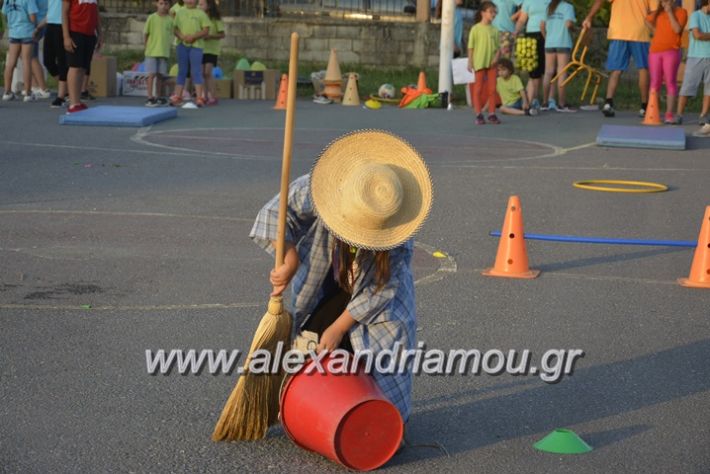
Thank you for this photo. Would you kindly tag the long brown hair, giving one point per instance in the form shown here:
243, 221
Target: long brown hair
481, 8
346, 257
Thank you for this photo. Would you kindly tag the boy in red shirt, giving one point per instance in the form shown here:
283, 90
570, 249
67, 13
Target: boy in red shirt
81, 28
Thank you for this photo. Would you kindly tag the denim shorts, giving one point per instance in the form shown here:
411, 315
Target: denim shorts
518, 104
21, 40
558, 50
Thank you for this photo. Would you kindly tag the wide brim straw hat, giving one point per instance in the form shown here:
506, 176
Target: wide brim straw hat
371, 189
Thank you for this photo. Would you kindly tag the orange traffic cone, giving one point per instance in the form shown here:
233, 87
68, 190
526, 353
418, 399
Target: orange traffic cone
512, 257
653, 116
700, 269
421, 83
283, 93
333, 73
351, 96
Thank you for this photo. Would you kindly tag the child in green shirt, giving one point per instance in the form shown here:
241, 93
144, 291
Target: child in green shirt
211, 50
191, 26
157, 36
514, 99
483, 53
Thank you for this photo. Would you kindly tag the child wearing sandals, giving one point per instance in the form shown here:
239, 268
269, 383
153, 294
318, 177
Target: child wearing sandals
211, 51
483, 54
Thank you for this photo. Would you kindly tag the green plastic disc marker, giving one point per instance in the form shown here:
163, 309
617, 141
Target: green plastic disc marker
563, 441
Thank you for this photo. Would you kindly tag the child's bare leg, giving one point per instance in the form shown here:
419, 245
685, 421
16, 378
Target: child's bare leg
38, 74
682, 102
706, 105
27, 67
550, 59
562, 60
13, 53
200, 90
207, 73
149, 85
75, 79
158, 85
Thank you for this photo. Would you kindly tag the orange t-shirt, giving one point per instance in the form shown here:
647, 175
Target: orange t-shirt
665, 38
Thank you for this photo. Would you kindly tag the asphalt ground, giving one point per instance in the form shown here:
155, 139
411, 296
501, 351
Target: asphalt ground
150, 228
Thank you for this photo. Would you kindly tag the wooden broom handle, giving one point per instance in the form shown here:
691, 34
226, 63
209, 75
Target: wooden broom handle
288, 145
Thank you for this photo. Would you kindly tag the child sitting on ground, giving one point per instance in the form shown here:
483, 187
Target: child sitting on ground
510, 88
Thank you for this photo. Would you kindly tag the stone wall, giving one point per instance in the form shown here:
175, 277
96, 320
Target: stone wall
370, 42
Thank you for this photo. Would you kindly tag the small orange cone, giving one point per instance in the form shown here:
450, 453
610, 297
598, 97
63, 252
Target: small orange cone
283, 93
653, 116
700, 269
421, 83
512, 257
351, 96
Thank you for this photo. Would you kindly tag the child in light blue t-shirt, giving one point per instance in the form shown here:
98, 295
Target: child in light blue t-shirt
556, 28
697, 65
21, 19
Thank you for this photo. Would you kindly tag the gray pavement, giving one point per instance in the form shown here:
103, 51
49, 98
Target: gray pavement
149, 227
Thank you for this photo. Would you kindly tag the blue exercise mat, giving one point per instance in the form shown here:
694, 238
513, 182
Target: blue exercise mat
624, 136
118, 116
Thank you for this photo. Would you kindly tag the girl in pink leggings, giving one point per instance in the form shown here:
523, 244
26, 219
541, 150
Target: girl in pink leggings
666, 24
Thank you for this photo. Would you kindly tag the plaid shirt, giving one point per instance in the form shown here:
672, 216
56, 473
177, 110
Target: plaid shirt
384, 318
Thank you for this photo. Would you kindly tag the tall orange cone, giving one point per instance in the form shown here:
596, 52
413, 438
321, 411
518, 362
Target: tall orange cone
333, 73
421, 83
653, 116
351, 96
512, 257
700, 269
283, 93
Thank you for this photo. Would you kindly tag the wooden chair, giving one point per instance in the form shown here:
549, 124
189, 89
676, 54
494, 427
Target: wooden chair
578, 65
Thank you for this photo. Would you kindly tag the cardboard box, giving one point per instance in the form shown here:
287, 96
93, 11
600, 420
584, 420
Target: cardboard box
102, 82
223, 88
256, 84
136, 84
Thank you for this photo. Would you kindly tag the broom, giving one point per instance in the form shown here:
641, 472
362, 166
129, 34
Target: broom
253, 405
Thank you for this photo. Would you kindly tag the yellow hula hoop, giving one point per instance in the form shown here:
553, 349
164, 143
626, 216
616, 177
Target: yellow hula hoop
641, 186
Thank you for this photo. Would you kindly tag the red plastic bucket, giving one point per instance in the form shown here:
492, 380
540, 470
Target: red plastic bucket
344, 417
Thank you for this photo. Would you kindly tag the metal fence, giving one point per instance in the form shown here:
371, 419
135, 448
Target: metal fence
274, 8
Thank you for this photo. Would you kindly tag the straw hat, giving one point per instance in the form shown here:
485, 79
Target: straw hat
371, 189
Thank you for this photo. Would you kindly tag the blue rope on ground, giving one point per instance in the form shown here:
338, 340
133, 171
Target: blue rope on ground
604, 240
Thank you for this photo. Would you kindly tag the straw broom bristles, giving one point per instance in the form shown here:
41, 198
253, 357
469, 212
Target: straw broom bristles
253, 405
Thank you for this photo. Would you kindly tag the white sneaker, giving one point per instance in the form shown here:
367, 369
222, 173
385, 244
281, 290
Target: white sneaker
28, 97
703, 132
8, 96
41, 94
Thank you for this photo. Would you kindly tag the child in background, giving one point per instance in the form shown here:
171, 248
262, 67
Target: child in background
179, 5
21, 18
505, 24
532, 14
55, 58
158, 32
80, 28
40, 90
558, 46
211, 51
666, 25
697, 65
191, 26
483, 53
510, 88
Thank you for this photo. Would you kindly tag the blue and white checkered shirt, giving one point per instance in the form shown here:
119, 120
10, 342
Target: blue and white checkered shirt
384, 318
